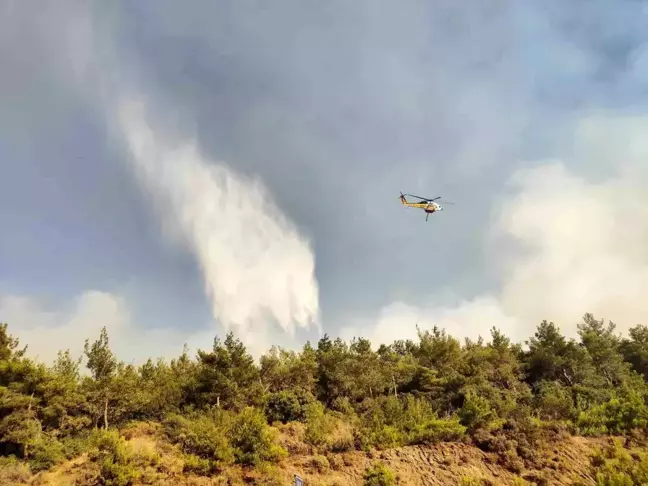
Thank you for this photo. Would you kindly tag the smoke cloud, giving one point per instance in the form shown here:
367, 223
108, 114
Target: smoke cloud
563, 245
257, 268
47, 329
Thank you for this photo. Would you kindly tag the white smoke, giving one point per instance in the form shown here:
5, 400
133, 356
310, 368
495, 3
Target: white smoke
256, 266
48, 329
581, 246
258, 270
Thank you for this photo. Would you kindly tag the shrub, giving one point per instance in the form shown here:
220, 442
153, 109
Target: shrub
384, 437
343, 405
13, 471
554, 401
204, 436
618, 415
114, 457
20, 430
45, 453
21, 433
74, 446
253, 441
284, 407
139, 428
320, 463
390, 422
223, 438
379, 475
343, 441
476, 412
319, 425
421, 425
287, 406
197, 465
270, 475
615, 466
475, 481
335, 461
436, 430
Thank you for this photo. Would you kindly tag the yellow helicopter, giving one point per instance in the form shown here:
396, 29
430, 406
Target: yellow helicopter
427, 205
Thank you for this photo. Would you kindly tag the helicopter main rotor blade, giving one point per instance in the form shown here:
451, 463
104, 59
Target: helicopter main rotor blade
423, 198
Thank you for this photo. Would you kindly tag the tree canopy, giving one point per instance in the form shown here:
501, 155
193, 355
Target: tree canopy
416, 391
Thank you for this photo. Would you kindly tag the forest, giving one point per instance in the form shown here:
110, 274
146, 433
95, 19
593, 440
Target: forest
222, 411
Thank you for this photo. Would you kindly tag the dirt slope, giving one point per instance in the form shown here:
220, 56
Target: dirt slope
448, 464
442, 464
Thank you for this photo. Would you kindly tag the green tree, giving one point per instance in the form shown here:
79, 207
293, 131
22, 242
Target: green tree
635, 349
64, 403
333, 380
552, 358
103, 365
227, 376
282, 369
366, 370
9, 344
602, 344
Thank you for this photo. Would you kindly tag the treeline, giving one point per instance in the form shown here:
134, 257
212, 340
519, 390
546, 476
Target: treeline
219, 405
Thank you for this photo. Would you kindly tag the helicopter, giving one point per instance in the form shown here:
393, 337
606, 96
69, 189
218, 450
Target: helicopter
427, 205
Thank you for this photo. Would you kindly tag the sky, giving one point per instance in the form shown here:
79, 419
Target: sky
177, 170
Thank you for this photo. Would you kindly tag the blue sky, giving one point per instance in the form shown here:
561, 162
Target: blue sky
335, 107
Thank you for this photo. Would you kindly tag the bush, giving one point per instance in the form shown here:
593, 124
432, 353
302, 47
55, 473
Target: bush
620, 414
13, 471
197, 465
283, 407
476, 412
45, 453
118, 464
287, 406
379, 475
475, 481
554, 401
222, 438
320, 463
253, 441
74, 446
383, 437
343, 405
436, 430
204, 436
391, 422
19, 431
114, 457
319, 425
343, 441
615, 466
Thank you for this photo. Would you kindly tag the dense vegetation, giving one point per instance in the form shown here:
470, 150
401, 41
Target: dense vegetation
219, 407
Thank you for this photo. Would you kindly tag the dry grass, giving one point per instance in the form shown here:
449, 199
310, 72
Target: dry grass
443, 464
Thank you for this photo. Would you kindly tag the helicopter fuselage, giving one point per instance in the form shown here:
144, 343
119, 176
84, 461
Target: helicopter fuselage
428, 206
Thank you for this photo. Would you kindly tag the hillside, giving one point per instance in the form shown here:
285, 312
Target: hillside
434, 411
155, 461
441, 464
